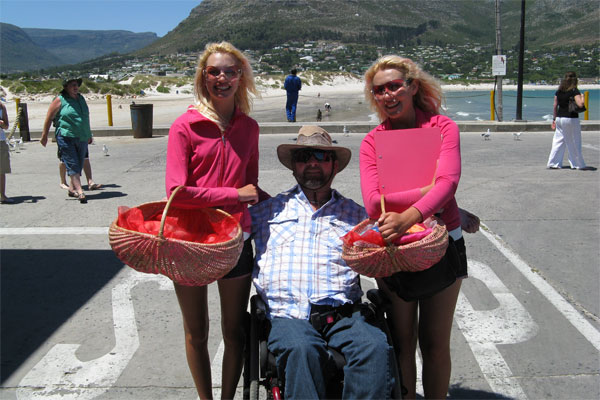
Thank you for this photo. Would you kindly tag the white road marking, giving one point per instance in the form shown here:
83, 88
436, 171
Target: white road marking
92, 230
509, 323
562, 305
61, 375
591, 146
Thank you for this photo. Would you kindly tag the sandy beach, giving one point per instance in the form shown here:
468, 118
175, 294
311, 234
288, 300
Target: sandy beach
345, 94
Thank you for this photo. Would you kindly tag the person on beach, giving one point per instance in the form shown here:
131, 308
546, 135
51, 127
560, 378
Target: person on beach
566, 125
292, 85
4, 156
313, 298
213, 153
71, 117
405, 97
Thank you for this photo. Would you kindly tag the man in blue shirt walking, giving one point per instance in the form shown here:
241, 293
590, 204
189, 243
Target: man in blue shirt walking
313, 298
292, 85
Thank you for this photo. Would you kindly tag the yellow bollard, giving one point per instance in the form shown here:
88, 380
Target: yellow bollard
492, 105
109, 107
586, 102
17, 102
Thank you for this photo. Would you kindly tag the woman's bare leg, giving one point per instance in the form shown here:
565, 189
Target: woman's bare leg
234, 295
62, 173
194, 309
87, 170
435, 326
403, 323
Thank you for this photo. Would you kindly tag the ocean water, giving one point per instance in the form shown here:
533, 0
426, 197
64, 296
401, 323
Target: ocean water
459, 105
537, 105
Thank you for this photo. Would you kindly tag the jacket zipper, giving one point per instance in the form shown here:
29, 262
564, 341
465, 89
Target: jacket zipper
222, 171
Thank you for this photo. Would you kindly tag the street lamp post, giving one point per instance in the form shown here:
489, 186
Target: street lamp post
521, 58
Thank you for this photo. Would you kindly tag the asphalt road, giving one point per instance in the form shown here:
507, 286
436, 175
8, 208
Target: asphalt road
77, 324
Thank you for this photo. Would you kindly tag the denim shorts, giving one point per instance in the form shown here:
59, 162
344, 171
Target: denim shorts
87, 154
244, 264
72, 152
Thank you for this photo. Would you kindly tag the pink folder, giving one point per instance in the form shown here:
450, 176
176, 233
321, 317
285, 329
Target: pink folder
407, 158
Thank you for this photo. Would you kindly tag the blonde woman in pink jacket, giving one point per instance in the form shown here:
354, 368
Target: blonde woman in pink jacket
213, 153
423, 303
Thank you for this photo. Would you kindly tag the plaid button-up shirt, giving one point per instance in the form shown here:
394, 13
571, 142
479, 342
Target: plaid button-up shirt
299, 253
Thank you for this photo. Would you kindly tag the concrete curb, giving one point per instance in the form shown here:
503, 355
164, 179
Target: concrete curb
353, 127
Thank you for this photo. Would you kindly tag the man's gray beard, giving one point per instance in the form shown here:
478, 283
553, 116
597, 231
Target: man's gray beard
312, 183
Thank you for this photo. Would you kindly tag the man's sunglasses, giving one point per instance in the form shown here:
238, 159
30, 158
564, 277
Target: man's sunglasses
229, 72
390, 87
304, 155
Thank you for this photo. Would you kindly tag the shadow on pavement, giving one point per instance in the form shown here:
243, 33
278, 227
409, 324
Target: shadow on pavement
40, 290
26, 199
460, 392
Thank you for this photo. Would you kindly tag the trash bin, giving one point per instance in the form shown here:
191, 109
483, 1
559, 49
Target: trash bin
141, 120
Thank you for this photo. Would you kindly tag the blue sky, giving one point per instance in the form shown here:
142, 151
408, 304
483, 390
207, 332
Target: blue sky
159, 16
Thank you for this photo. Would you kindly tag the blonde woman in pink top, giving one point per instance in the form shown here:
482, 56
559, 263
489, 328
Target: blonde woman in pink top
213, 153
406, 97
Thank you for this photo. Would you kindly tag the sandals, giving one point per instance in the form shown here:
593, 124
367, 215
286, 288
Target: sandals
95, 186
80, 196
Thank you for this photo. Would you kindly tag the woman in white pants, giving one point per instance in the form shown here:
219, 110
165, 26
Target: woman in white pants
566, 125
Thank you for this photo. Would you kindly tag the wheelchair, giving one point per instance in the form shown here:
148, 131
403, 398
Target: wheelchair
260, 367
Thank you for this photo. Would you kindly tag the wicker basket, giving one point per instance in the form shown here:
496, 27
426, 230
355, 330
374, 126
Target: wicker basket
186, 263
380, 262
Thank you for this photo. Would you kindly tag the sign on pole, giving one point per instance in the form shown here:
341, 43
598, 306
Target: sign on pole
499, 65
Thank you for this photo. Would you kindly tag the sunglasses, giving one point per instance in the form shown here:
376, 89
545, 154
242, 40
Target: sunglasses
304, 155
229, 72
390, 87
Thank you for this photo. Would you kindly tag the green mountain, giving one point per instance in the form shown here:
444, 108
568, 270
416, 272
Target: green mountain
26, 49
263, 24
76, 46
19, 53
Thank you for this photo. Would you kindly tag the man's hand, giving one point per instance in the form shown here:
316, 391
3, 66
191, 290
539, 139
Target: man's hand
468, 222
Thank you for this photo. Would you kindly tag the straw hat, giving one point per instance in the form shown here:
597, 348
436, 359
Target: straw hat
311, 136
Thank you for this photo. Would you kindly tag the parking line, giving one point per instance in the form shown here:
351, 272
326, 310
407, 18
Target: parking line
562, 305
92, 230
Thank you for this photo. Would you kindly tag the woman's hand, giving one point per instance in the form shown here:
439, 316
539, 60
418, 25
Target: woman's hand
393, 225
248, 194
44, 139
553, 125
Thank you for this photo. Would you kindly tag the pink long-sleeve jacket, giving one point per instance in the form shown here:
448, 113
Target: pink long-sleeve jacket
210, 164
440, 198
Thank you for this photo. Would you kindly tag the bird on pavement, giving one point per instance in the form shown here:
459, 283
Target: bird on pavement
487, 135
517, 135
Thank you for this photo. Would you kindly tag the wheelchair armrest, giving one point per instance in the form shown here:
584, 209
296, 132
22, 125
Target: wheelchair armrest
379, 299
258, 307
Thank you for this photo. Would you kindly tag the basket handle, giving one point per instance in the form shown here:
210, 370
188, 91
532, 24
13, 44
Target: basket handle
390, 248
164, 214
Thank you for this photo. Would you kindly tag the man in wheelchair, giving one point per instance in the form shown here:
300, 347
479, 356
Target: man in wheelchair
313, 298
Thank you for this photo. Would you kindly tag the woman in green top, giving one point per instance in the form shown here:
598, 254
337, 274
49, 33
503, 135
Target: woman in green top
71, 117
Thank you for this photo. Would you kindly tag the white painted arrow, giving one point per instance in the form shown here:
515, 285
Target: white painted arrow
61, 375
485, 329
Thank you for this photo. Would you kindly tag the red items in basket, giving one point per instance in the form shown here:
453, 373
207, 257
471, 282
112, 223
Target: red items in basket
182, 224
370, 237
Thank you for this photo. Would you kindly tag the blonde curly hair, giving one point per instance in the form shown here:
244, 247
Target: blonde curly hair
243, 101
429, 96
